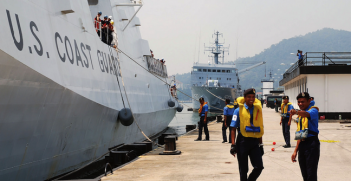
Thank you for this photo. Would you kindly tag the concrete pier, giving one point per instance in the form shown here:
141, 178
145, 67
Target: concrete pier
211, 160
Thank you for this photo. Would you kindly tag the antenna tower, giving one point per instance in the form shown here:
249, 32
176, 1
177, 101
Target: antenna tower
217, 48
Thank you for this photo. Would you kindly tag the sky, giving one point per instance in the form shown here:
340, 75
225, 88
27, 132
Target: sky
178, 30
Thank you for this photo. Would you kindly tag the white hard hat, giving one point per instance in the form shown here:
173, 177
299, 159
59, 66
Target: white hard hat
110, 17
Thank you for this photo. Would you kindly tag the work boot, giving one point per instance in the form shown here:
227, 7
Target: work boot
197, 139
224, 141
205, 140
287, 146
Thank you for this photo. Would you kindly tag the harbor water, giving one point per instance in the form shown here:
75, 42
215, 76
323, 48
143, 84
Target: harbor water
181, 119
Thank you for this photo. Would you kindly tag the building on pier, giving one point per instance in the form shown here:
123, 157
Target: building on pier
326, 76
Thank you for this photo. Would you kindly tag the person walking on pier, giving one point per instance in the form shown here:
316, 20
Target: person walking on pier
248, 120
285, 120
203, 120
228, 112
308, 145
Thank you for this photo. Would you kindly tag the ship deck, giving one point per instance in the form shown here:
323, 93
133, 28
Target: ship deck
210, 160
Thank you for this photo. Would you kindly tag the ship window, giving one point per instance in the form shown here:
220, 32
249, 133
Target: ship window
218, 70
93, 2
223, 71
209, 70
228, 71
230, 78
233, 71
210, 78
200, 70
205, 70
195, 70
219, 78
199, 77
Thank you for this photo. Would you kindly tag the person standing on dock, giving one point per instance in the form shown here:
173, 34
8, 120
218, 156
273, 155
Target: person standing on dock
308, 145
285, 120
203, 120
248, 120
228, 112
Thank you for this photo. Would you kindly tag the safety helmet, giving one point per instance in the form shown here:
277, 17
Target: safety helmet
100, 12
112, 22
110, 17
105, 16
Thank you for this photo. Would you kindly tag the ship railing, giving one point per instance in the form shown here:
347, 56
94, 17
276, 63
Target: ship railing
106, 35
156, 67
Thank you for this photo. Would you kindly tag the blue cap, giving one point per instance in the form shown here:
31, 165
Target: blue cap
105, 16
174, 84
99, 12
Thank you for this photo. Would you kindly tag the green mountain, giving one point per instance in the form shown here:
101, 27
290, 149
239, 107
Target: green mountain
278, 56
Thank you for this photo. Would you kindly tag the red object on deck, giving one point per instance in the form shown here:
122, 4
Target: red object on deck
274, 143
273, 149
322, 118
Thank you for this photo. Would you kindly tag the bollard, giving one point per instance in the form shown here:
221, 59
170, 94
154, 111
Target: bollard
219, 119
161, 138
190, 127
170, 146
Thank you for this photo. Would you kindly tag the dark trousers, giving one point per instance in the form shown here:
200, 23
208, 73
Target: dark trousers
224, 129
286, 130
203, 125
248, 147
309, 151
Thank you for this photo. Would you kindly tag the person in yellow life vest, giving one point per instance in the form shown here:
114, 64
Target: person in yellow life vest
248, 120
228, 112
203, 120
285, 120
307, 146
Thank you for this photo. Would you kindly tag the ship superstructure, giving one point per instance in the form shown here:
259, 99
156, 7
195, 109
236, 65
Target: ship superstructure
215, 81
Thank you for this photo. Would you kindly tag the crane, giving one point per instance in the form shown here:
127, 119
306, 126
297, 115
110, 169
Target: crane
251, 67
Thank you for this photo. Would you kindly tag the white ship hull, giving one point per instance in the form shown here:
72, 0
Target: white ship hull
59, 95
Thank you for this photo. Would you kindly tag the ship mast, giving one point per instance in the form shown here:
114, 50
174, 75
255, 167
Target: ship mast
217, 48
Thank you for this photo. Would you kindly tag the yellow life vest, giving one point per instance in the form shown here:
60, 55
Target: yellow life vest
285, 108
304, 121
229, 106
245, 116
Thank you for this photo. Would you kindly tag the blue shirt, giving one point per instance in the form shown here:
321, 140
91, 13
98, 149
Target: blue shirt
290, 107
204, 109
312, 103
300, 55
313, 122
236, 119
227, 111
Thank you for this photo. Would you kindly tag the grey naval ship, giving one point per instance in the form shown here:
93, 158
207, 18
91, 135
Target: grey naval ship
216, 81
62, 88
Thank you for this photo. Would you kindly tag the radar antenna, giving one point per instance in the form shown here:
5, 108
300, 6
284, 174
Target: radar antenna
217, 48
